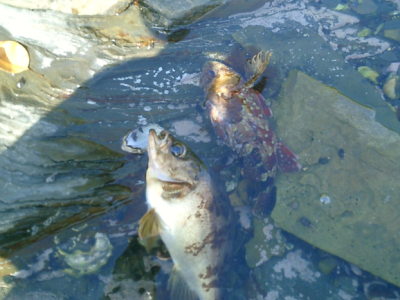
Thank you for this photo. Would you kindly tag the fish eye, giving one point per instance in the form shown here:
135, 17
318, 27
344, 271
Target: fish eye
162, 134
178, 150
211, 73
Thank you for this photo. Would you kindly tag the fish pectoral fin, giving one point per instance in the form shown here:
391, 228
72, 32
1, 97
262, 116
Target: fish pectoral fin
150, 225
255, 67
150, 242
178, 286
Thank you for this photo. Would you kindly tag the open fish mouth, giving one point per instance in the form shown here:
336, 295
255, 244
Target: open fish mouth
160, 142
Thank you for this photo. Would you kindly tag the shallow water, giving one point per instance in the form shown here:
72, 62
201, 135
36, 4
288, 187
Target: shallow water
158, 90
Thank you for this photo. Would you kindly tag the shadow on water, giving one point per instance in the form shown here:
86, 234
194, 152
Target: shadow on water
88, 183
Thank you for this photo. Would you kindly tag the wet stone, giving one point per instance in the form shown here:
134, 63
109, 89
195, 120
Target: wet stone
360, 223
56, 166
292, 277
133, 275
392, 30
172, 12
79, 7
327, 265
268, 241
365, 7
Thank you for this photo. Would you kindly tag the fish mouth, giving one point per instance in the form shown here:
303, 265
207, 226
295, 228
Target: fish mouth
160, 145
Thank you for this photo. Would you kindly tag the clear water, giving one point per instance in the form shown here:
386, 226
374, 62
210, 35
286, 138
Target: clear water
157, 90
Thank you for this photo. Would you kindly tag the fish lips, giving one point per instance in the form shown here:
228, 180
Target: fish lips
157, 144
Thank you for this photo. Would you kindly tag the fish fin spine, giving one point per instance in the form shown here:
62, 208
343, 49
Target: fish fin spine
178, 286
287, 160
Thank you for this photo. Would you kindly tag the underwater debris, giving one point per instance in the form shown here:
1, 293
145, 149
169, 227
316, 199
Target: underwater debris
83, 263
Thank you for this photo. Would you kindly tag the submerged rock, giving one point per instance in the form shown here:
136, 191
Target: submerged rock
88, 262
360, 223
391, 86
314, 56
177, 12
293, 276
392, 30
365, 7
268, 241
133, 275
327, 265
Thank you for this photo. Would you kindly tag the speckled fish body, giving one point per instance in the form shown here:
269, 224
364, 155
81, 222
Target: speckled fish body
194, 224
239, 115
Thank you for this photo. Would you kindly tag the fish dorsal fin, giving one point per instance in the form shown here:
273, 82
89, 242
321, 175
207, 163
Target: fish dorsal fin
179, 288
150, 225
255, 67
259, 86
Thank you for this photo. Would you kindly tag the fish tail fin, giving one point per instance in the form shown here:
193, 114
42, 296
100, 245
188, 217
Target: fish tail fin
178, 286
255, 67
287, 160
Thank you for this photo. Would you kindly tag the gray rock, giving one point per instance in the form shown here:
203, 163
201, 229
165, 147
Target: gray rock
79, 7
365, 7
392, 30
360, 222
267, 242
53, 175
294, 276
68, 49
177, 12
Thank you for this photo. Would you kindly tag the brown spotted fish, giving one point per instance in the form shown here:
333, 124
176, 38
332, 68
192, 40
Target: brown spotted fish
193, 221
239, 115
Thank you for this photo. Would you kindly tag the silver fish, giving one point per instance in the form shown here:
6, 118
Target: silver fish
193, 221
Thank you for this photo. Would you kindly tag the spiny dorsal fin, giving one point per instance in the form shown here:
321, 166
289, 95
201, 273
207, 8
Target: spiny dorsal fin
259, 86
149, 225
179, 288
255, 67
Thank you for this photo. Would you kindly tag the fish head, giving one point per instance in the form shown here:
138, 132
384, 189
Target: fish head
219, 78
170, 160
